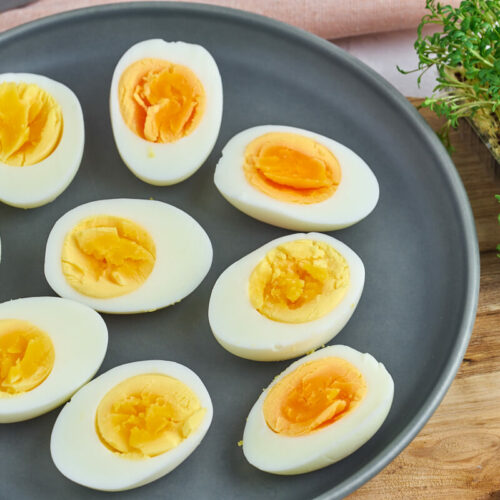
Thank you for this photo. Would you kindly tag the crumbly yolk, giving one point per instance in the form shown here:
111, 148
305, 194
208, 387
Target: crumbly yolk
26, 356
299, 281
31, 124
291, 167
147, 415
313, 396
107, 256
160, 101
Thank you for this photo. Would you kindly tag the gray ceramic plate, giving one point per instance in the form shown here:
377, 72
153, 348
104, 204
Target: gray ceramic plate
419, 245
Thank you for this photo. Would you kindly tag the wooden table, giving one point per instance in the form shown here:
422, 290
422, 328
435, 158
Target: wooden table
457, 454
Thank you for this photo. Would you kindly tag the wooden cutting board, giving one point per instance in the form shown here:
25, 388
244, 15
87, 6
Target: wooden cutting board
457, 454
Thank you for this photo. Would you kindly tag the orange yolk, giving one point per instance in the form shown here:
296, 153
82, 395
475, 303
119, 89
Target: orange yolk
291, 168
299, 281
147, 415
31, 124
26, 356
107, 256
313, 396
160, 101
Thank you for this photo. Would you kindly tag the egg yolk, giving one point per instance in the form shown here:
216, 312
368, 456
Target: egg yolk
26, 356
31, 124
291, 168
147, 415
299, 281
313, 396
107, 256
160, 101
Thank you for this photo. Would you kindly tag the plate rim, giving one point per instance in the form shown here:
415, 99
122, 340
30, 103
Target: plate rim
464, 218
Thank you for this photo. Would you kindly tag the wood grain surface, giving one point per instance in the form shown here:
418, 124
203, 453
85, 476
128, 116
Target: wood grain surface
457, 454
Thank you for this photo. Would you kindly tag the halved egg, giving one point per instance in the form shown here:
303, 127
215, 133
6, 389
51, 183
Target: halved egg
41, 139
289, 296
295, 179
166, 109
131, 425
49, 347
126, 256
320, 409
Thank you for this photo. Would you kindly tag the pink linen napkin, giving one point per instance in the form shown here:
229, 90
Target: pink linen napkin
327, 18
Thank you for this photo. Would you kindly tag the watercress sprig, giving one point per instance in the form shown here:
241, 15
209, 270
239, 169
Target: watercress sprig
466, 54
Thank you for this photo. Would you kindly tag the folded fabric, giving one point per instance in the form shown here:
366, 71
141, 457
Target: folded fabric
327, 18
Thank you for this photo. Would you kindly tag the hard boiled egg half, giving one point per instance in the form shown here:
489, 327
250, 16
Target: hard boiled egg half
126, 256
290, 296
166, 109
320, 409
41, 139
295, 179
49, 347
131, 425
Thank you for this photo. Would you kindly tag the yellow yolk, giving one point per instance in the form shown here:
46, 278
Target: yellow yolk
291, 168
147, 415
160, 101
31, 124
107, 256
26, 356
313, 396
299, 281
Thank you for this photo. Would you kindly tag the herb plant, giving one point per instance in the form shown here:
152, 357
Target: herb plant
466, 54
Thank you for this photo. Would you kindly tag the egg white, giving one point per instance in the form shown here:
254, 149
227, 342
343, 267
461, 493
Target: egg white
278, 454
39, 184
80, 339
183, 254
245, 332
169, 163
80, 455
354, 199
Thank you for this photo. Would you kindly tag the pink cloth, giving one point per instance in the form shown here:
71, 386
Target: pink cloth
327, 18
